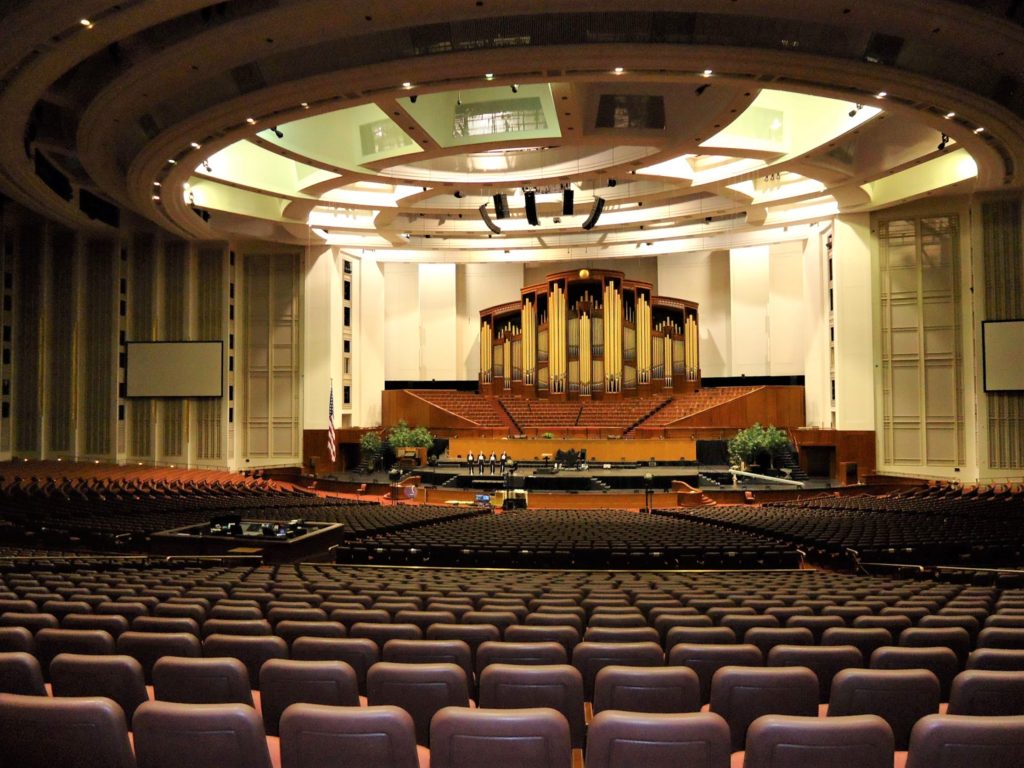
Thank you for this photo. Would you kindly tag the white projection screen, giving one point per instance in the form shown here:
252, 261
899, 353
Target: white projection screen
175, 369
1003, 345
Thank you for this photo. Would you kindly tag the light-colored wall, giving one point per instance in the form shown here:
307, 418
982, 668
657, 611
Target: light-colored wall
479, 286
703, 277
854, 356
817, 386
749, 294
322, 340
368, 342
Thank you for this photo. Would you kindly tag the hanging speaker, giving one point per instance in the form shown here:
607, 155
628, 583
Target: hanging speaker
487, 220
500, 207
595, 213
531, 208
567, 206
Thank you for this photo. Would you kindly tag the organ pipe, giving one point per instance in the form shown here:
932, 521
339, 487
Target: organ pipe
583, 345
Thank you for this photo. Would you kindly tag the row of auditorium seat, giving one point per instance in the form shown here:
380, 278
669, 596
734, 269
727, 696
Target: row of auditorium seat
890, 709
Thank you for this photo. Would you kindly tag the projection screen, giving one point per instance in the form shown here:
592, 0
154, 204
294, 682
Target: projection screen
1003, 345
175, 369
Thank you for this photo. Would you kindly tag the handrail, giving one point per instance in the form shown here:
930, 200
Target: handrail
764, 478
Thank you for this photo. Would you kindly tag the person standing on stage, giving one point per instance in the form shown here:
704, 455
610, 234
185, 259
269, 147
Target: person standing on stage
503, 460
469, 461
493, 461
480, 462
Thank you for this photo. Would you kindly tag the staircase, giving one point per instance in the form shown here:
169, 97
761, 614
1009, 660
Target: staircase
507, 417
786, 460
628, 431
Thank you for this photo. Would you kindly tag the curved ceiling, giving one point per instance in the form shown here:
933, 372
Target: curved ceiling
385, 127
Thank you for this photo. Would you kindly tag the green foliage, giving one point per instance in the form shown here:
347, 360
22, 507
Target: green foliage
752, 442
404, 436
548, 436
371, 446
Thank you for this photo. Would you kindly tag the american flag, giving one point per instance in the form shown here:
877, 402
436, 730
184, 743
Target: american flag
332, 449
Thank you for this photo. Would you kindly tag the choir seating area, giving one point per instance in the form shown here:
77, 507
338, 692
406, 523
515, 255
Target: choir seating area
534, 668
626, 416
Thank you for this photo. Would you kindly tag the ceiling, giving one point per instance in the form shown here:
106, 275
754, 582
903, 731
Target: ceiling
390, 128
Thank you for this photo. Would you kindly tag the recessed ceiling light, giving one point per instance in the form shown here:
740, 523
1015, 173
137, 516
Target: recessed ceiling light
979, 130
156, 183
196, 145
304, 105
251, 120
708, 73
950, 115
172, 161
618, 70
407, 84
489, 76
156, 197
881, 95
86, 23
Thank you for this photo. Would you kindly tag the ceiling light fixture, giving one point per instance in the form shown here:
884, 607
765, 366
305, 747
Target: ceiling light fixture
304, 105
86, 23
277, 132
489, 76
407, 84
856, 108
881, 95
206, 166
251, 120
618, 70
943, 142
515, 87
707, 73
950, 115
979, 129
196, 145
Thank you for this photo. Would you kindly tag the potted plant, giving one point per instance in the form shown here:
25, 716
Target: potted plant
370, 448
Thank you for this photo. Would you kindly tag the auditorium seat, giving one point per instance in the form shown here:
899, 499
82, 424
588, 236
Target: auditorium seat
117, 677
313, 736
742, 694
707, 659
168, 735
430, 652
284, 682
44, 732
21, 674
989, 693
499, 738
252, 651
50, 642
647, 689
420, 689
16, 639
358, 653
114, 625
901, 697
825, 661
939, 660
147, 647
961, 741
780, 741
202, 681
656, 740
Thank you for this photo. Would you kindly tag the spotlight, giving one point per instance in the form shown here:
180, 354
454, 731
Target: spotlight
943, 142
612, 182
487, 220
515, 87
856, 108
595, 213
412, 99
531, 208
501, 206
206, 166
277, 132
458, 194
567, 203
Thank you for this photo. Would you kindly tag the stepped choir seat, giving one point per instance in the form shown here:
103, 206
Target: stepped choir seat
45, 732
